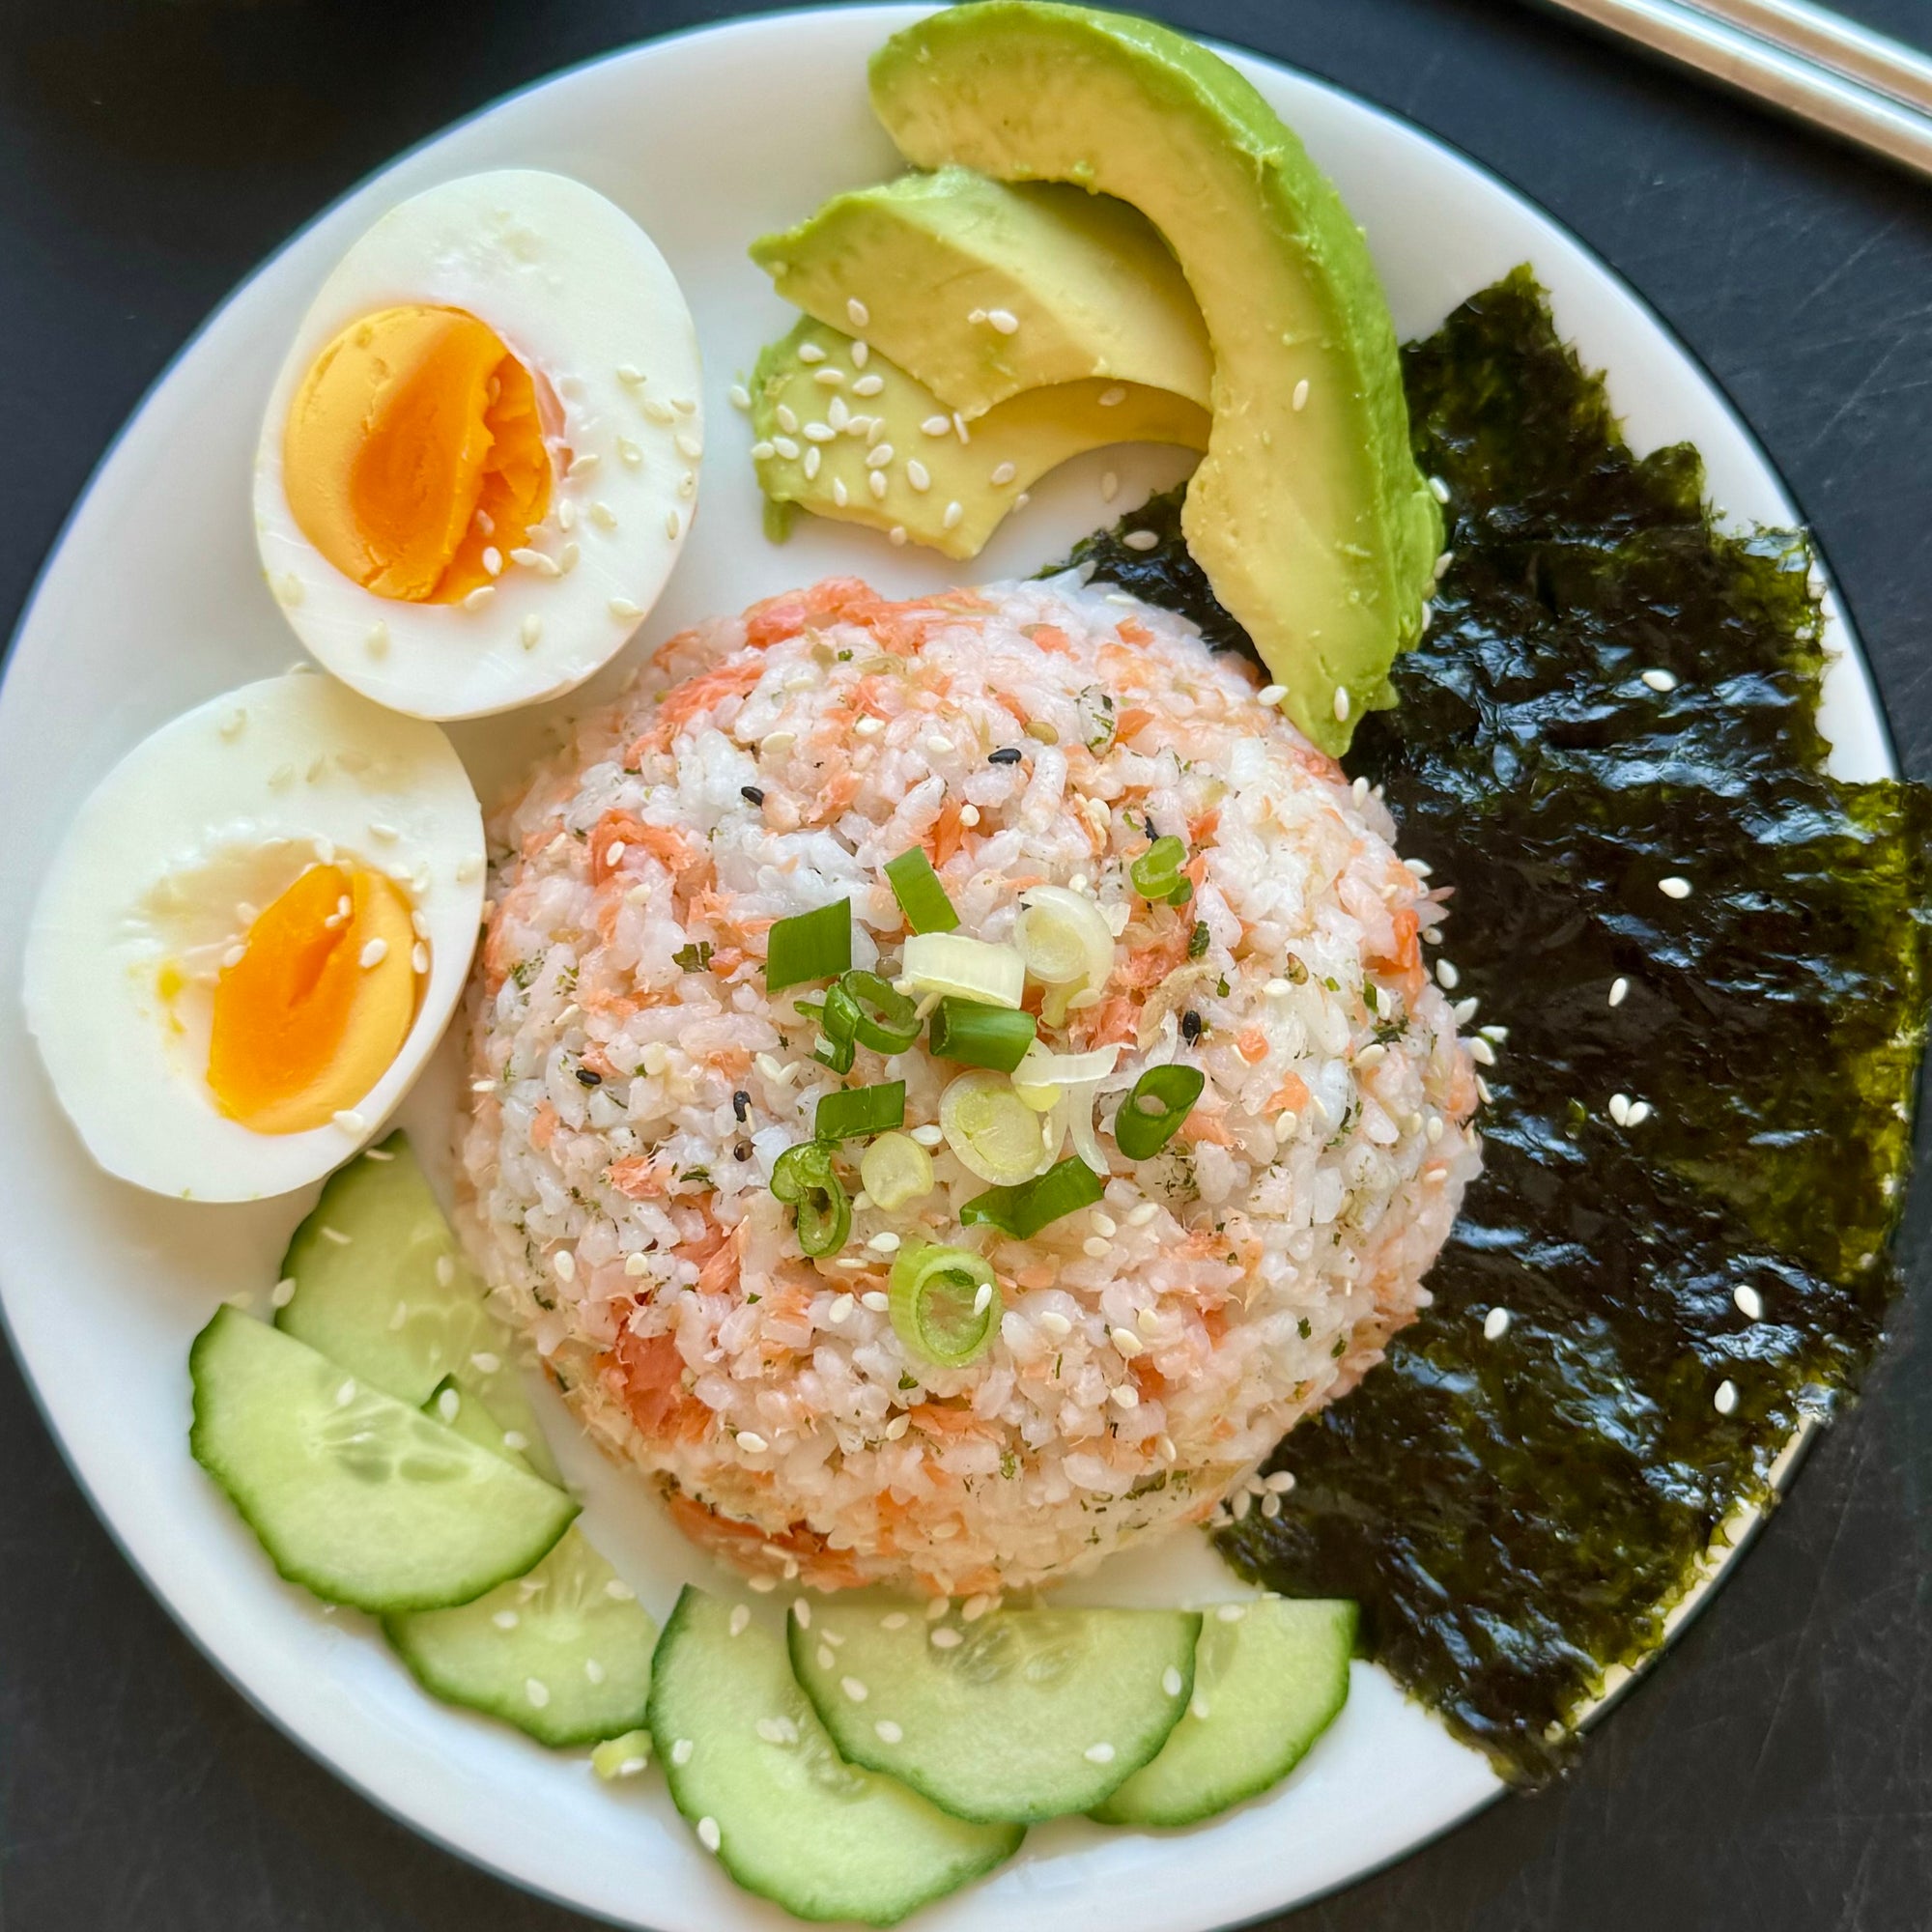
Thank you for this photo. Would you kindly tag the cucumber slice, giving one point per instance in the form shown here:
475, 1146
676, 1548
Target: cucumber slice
463, 1410
382, 1286
358, 1497
752, 1768
563, 1652
1268, 1680
1022, 1715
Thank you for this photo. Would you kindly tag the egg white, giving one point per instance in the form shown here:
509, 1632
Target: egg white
579, 293
219, 809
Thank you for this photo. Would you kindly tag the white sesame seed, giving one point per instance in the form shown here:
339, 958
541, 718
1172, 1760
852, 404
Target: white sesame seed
505, 1620
814, 457
629, 453
828, 379
854, 1690
485, 1362
955, 515
868, 385
1639, 1112
862, 354
235, 955
1495, 1324
680, 1752
763, 450
1481, 1052
1002, 474
708, 1834
780, 1731
810, 353
1095, 1248
818, 431
785, 447
857, 313
1112, 398
1102, 1224
1660, 680
537, 1692
1139, 1216
1125, 1395
1140, 540
1439, 489
1281, 1482
1342, 703
969, 814
1110, 487
918, 474
1054, 1323
1271, 694
1726, 1401
346, 1119
896, 535
483, 593
1102, 1754
888, 1733
1004, 320
1620, 1109
282, 1294
1299, 401
741, 397
839, 494
876, 1299
1674, 888
741, 1617
875, 482
1026, 497
1463, 1011
565, 1264
752, 1442
1619, 990
982, 1299
945, 1637
1371, 1056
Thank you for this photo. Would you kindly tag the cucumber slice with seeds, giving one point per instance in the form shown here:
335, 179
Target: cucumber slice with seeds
1022, 1715
563, 1652
752, 1768
1269, 1678
461, 1409
382, 1286
361, 1498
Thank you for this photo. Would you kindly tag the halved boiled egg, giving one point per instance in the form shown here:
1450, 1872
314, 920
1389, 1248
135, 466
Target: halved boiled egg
481, 456
253, 936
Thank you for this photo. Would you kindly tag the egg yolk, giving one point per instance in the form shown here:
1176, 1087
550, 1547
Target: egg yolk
308, 1018
415, 450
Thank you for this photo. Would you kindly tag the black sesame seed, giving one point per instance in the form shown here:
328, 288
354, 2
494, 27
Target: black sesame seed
1190, 1026
743, 1151
750, 794
587, 1078
1007, 754
741, 1103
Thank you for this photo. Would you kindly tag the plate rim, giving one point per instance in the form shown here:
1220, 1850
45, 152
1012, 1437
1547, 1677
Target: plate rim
1844, 642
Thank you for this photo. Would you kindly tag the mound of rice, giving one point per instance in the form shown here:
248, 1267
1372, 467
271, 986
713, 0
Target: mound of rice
635, 1082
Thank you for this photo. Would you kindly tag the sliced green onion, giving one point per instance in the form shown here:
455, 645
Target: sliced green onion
895, 1169
857, 1111
882, 1017
921, 897
977, 1035
991, 1131
813, 945
945, 1304
1043, 1076
805, 1179
1064, 938
969, 969
837, 1054
1156, 873
1151, 1114
1022, 1211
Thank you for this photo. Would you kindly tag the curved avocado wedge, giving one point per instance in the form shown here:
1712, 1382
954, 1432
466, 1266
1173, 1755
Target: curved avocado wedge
984, 289
1307, 512
969, 486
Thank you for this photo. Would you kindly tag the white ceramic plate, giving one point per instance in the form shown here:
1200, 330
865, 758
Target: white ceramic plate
153, 602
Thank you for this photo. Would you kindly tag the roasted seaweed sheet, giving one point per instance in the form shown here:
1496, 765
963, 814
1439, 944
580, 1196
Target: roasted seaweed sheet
1517, 1514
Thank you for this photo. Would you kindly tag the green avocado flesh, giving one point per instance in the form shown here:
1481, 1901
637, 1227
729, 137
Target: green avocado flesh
1516, 1515
1307, 513
970, 485
1087, 287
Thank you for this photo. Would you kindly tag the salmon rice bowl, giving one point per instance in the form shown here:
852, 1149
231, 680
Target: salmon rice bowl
963, 1310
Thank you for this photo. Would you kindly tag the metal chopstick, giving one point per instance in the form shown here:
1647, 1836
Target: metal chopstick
1777, 75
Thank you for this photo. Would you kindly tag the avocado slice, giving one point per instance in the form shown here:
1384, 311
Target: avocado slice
921, 267
828, 399
1307, 513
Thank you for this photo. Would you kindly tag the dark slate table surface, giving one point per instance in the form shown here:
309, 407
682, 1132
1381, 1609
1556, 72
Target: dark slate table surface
1776, 1772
